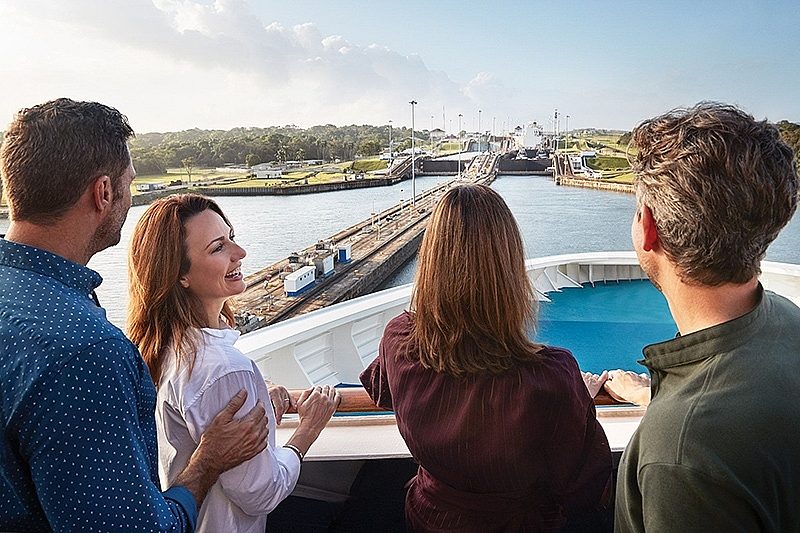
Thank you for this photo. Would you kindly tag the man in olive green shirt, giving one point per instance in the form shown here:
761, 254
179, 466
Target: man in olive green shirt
719, 447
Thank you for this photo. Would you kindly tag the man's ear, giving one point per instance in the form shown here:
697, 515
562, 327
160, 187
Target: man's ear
649, 229
102, 193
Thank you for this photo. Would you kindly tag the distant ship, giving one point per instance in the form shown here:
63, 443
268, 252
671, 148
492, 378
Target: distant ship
529, 138
532, 156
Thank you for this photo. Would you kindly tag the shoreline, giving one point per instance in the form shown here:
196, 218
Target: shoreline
148, 197
595, 184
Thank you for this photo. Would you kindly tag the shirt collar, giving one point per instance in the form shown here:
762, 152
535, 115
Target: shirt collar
694, 347
226, 336
24, 257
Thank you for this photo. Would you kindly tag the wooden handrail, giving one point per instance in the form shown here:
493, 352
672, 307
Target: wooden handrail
356, 400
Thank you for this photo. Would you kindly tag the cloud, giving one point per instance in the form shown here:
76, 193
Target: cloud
485, 87
173, 64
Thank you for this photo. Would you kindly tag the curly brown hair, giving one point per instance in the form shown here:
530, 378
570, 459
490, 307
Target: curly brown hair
720, 185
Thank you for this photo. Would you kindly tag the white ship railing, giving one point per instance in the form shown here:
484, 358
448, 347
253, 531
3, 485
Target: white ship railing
334, 344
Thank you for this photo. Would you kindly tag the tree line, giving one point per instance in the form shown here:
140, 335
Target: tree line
153, 153
790, 132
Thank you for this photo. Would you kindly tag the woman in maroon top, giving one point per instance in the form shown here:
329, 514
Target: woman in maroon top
503, 429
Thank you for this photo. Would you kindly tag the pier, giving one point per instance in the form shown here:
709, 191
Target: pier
564, 175
595, 184
379, 246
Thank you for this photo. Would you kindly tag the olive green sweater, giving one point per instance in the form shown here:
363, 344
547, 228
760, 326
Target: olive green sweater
719, 447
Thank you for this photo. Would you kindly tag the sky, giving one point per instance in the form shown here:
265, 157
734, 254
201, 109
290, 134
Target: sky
217, 64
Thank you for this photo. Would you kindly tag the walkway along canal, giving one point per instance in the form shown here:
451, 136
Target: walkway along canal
378, 246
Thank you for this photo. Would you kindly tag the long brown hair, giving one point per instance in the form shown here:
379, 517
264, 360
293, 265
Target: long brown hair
160, 309
473, 302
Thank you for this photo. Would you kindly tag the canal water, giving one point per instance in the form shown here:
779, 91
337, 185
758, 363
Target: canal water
553, 220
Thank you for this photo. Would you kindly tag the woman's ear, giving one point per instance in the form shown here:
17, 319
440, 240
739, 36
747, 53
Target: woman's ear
184, 281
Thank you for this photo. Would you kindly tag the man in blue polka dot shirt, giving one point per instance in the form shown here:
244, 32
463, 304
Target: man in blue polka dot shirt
78, 444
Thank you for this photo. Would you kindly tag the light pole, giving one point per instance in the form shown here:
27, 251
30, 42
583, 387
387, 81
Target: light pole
459, 145
480, 132
493, 121
566, 133
391, 152
555, 126
430, 135
413, 150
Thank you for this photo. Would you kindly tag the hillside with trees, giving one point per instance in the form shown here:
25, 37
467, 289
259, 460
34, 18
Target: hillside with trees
790, 132
153, 153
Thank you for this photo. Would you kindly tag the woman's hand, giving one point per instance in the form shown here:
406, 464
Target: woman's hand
282, 401
594, 382
316, 406
629, 387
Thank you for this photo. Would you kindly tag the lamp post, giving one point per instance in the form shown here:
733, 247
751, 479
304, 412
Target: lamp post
555, 126
391, 152
413, 150
459, 145
493, 121
430, 135
480, 132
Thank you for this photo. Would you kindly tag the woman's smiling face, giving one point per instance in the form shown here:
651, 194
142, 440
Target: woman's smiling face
215, 261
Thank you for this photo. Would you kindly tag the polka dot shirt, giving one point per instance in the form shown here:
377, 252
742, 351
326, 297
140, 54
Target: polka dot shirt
78, 446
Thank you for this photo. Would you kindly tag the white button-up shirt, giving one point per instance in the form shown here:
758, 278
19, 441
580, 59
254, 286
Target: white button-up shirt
242, 497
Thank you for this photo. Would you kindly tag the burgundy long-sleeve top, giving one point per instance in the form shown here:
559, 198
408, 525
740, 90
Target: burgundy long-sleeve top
516, 451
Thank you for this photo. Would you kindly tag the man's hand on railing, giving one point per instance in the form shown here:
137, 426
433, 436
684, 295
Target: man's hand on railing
628, 387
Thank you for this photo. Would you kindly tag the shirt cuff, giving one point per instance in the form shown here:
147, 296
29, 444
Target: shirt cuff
287, 457
183, 497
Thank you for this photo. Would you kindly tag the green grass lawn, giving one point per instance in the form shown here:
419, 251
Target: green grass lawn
622, 178
175, 174
310, 176
180, 174
610, 141
326, 177
291, 179
603, 162
369, 165
246, 183
448, 148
